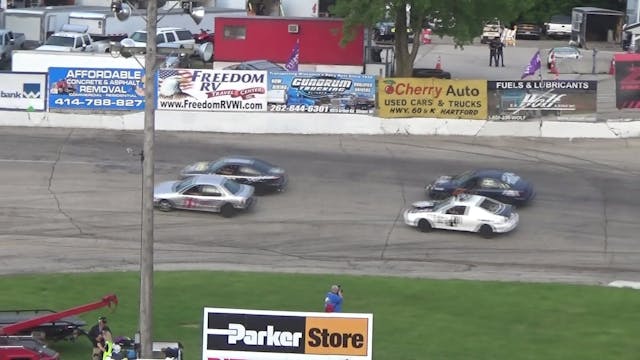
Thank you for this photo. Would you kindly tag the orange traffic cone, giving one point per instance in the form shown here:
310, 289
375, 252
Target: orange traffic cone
612, 67
439, 64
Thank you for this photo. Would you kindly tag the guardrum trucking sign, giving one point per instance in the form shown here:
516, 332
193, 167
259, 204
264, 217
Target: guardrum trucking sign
260, 334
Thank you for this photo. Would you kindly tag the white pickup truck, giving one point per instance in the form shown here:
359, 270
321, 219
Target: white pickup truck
74, 38
559, 26
9, 41
491, 30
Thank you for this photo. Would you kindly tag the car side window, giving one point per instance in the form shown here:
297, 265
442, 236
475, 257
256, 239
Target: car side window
489, 183
86, 40
78, 43
211, 191
184, 35
160, 38
227, 170
194, 190
170, 37
248, 171
471, 183
457, 210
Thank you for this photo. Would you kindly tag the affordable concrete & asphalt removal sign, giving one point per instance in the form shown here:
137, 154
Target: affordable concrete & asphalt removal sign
263, 334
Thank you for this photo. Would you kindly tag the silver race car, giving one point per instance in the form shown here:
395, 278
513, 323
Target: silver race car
464, 212
213, 193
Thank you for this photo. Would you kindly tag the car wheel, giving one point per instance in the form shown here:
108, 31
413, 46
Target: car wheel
424, 225
227, 211
486, 231
165, 205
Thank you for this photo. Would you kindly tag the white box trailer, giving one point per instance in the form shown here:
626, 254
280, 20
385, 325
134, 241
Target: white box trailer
103, 24
38, 23
289, 8
40, 61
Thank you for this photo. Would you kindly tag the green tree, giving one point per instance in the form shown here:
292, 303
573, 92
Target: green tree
460, 19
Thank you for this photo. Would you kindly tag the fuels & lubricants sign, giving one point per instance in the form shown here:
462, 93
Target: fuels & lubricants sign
262, 334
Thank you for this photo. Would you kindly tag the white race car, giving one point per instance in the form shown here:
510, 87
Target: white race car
464, 212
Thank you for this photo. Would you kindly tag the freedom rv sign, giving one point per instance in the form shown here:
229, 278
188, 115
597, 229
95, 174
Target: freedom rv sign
262, 334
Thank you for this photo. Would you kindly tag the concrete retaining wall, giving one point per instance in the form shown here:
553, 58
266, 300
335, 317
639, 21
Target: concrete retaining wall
292, 123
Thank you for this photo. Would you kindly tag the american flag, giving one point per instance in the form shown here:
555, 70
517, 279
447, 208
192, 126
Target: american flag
184, 77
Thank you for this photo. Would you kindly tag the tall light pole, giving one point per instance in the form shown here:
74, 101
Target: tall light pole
146, 246
123, 9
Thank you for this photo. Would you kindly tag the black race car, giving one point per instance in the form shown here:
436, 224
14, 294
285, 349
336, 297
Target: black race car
263, 176
504, 186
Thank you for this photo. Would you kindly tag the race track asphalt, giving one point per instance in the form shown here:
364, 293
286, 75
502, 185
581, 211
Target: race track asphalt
71, 203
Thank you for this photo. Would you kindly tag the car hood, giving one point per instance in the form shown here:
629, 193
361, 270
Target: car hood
166, 187
425, 205
54, 48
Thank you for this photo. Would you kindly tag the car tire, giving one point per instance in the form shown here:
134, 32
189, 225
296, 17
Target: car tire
424, 225
165, 205
227, 210
486, 231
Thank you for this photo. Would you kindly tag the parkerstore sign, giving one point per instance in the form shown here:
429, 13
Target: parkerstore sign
258, 335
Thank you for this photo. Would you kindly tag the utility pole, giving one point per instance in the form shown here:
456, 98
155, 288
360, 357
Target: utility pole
146, 253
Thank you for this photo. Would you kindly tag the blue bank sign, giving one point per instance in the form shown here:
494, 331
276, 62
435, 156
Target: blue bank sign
96, 89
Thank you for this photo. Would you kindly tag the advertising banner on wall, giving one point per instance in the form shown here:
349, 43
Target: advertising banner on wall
212, 90
432, 98
23, 91
263, 335
533, 100
321, 92
96, 89
627, 71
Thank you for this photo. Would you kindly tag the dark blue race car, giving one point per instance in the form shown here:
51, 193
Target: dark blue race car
500, 185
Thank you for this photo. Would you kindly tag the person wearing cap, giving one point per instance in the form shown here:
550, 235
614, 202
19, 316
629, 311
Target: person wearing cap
333, 300
96, 336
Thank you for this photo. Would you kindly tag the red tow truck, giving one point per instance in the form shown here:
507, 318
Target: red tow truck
17, 340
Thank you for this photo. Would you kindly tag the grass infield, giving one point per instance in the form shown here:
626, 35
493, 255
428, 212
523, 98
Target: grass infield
413, 318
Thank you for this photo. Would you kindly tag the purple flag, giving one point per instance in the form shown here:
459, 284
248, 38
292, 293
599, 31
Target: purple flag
294, 58
534, 65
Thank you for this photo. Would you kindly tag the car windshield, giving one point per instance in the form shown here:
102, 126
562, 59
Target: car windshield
60, 41
139, 36
232, 186
184, 184
443, 204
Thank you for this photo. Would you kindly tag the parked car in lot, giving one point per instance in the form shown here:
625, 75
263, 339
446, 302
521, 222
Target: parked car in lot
9, 41
559, 26
164, 35
563, 52
492, 29
527, 30
464, 212
386, 31
430, 73
261, 174
504, 186
213, 193
74, 38
256, 65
